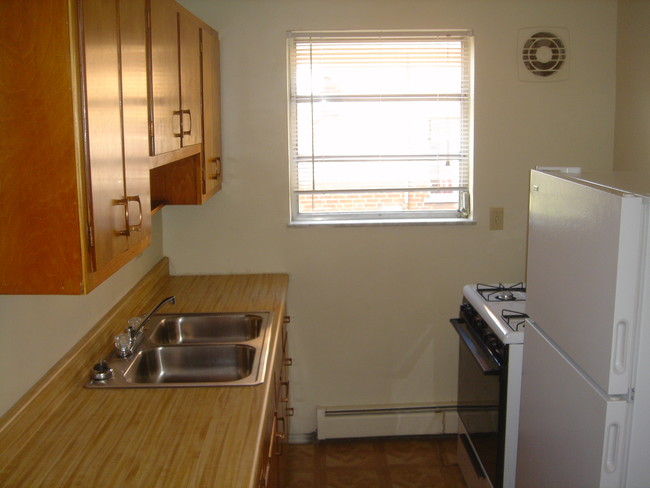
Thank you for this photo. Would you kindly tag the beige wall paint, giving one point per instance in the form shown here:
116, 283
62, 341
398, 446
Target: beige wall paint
632, 142
37, 331
370, 305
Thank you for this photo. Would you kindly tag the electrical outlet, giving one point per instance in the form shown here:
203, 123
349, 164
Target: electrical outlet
496, 218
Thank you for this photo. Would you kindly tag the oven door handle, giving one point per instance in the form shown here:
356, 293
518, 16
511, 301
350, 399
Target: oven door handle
485, 360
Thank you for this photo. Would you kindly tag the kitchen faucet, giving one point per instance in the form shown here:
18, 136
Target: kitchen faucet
125, 343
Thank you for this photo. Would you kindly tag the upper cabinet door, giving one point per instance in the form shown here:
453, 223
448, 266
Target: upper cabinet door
40, 249
133, 48
103, 128
175, 83
190, 65
165, 115
212, 173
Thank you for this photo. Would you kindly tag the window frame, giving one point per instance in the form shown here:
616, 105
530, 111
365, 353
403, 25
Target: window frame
464, 214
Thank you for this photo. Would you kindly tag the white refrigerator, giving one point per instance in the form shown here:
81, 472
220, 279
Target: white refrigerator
585, 401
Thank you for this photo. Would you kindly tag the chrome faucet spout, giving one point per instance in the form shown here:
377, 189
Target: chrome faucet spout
135, 330
125, 343
171, 299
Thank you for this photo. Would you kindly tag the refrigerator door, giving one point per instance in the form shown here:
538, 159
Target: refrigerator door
570, 434
584, 250
638, 470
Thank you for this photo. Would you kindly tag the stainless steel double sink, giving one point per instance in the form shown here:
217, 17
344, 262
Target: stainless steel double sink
177, 350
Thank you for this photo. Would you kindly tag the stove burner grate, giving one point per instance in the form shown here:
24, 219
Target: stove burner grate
501, 292
514, 319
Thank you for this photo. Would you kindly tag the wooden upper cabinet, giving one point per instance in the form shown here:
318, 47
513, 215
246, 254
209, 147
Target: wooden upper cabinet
133, 29
164, 81
190, 63
175, 83
113, 62
40, 185
90, 89
103, 127
211, 103
185, 106
66, 170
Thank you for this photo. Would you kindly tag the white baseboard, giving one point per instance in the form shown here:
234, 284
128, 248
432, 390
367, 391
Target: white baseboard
386, 420
309, 438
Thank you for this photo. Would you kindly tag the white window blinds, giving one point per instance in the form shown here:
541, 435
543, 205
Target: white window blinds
380, 125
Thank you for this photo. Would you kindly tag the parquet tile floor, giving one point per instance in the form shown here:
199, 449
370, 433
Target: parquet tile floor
405, 462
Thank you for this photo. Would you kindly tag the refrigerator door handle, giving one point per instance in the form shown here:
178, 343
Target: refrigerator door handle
612, 442
620, 340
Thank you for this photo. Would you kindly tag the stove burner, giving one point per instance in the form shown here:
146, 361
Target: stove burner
514, 319
501, 292
504, 296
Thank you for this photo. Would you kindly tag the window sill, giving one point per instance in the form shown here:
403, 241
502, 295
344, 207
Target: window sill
380, 222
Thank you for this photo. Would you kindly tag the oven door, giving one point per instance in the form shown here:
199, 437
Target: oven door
479, 398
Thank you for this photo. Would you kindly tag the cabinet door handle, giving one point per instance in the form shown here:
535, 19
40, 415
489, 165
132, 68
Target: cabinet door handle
217, 170
288, 361
178, 113
130, 228
285, 399
137, 227
274, 433
279, 436
264, 477
188, 112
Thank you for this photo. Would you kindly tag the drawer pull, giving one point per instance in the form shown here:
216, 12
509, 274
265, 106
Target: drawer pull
280, 436
285, 398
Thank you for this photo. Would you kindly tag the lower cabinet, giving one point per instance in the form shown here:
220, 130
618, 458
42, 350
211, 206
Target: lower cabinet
278, 413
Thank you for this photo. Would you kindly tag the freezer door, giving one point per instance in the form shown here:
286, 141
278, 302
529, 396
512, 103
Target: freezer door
570, 435
584, 250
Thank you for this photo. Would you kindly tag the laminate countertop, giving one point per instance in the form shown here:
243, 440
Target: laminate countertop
62, 434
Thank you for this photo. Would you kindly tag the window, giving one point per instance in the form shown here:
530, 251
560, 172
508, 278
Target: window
380, 126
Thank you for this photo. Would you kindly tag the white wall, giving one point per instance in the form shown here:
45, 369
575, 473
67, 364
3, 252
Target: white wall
370, 306
632, 142
37, 331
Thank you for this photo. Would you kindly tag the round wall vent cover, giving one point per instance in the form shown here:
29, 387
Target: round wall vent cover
543, 54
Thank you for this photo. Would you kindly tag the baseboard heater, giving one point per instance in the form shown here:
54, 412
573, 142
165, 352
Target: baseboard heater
383, 421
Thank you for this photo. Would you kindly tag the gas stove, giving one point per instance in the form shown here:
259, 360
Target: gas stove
490, 327
502, 307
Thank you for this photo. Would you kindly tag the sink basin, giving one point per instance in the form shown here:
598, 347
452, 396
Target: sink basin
204, 328
192, 349
192, 364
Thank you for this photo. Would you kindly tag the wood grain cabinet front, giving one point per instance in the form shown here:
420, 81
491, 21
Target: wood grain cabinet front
272, 474
212, 171
175, 77
184, 105
74, 170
